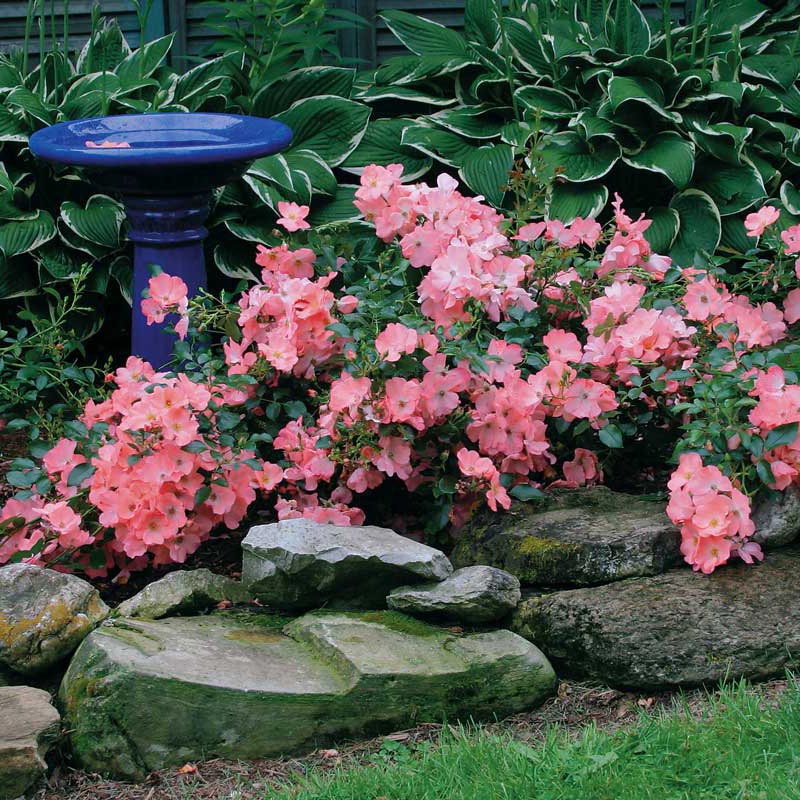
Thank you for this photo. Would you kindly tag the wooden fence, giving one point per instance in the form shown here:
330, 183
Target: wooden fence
370, 45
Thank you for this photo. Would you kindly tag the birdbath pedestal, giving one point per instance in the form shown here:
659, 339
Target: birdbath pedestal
164, 166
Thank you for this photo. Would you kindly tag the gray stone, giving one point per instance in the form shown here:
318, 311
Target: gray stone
141, 695
579, 538
299, 564
777, 519
676, 629
475, 595
44, 616
29, 725
183, 592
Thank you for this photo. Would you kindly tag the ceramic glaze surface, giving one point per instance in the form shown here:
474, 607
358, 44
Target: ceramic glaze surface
164, 166
160, 139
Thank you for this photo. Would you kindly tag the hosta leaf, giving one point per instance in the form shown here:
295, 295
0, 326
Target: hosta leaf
790, 198
76, 242
383, 144
319, 174
58, 261
330, 126
194, 86
424, 37
267, 193
592, 126
770, 175
12, 127
669, 154
627, 28
16, 279
533, 52
477, 122
570, 200
301, 83
623, 91
580, 161
700, 228
549, 102
258, 232
31, 104
100, 222
10, 76
408, 94
778, 69
743, 14
339, 209
6, 184
641, 66
121, 270
142, 63
482, 21
734, 236
664, 228
733, 188
516, 133
104, 50
439, 144
23, 236
485, 170
411, 69
274, 169
722, 140
234, 260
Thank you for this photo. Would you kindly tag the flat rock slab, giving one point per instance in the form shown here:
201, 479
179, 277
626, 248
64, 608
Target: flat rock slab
474, 595
580, 538
29, 726
141, 695
183, 592
299, 564
677, 629
44, 616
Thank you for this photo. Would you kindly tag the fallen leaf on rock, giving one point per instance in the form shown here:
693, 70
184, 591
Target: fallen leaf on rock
645, 702
224, 604
398, 737
187, 769
329, 753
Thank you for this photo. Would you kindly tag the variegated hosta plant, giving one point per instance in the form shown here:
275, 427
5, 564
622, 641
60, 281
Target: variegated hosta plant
694, 123
51, 221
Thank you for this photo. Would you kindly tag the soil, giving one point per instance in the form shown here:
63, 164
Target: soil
575, 706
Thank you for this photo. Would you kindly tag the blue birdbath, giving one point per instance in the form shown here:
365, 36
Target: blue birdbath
164, 166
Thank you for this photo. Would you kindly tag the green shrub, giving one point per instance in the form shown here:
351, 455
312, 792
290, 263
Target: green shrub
694, 124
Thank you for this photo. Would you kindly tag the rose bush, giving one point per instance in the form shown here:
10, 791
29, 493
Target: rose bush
455, 353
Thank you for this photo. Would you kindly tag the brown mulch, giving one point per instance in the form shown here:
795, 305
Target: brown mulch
575, 706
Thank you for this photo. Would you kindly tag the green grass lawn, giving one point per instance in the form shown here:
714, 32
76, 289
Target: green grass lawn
743, 747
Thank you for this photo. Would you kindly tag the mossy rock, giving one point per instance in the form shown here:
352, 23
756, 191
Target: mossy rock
142, 695
576, 538
44, 616
675, 629
182, 593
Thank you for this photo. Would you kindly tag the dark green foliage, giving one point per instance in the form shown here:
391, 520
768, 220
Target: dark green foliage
694, 124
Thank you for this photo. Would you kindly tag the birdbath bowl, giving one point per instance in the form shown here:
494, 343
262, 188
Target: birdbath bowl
165, 167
